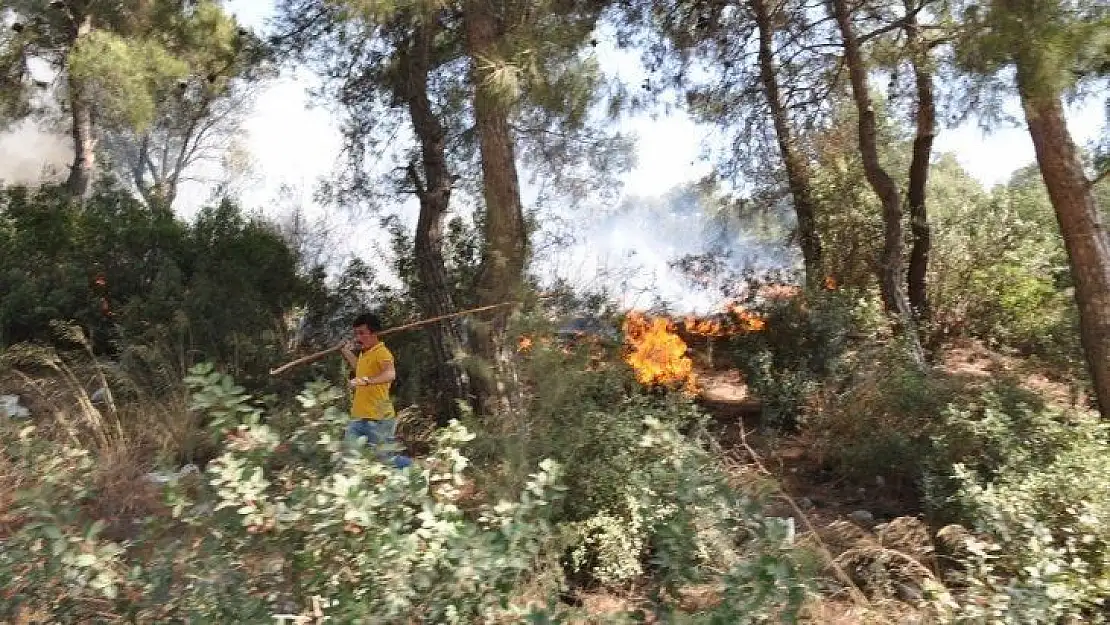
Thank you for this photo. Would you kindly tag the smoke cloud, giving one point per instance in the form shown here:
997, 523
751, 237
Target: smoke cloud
633, 253
31, 155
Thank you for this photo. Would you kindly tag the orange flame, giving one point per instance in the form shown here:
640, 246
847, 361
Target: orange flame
735, 320
657, 354
749, 321
524, 343
705, 327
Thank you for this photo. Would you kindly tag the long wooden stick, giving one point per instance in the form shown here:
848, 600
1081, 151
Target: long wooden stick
304, 360
408, 326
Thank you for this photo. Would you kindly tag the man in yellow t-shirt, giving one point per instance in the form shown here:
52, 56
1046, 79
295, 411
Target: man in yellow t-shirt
372, 410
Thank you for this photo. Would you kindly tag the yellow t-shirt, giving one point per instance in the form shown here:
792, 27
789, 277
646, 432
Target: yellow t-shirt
372, 401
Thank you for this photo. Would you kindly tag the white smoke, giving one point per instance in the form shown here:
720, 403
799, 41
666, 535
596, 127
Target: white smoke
631, 253
32, 155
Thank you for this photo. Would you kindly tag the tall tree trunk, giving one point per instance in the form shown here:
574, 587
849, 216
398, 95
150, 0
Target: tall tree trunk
505, 246
1085, 236
890, 264
84, 141
434, 193
797, 170
919, 168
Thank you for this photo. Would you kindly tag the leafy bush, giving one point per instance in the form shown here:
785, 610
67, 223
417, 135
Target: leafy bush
649, 501
1041, 548
287, 519
1031, 479
801, 346
373, 542
998, 270
879, 423
216, 288
53, 560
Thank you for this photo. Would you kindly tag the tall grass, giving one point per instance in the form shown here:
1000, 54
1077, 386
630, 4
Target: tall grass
81, 401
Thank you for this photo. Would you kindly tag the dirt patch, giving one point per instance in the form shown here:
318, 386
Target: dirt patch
792, 463
725, 396
972, 361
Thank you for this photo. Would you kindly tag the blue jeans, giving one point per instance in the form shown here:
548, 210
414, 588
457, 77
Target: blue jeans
376, 433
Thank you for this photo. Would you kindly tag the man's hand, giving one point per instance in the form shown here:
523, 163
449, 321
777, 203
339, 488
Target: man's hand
356, 382
346, 349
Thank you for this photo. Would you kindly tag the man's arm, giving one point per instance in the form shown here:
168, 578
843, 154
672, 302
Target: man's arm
388, 374
349, 356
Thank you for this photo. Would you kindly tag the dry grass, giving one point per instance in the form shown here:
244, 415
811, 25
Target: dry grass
127, 438
881, 572
11, 481
833, 611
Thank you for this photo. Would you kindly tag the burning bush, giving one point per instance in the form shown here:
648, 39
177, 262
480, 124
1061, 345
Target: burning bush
656, 353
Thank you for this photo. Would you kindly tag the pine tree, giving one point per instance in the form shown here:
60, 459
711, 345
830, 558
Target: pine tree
484, 87
764, 79
1053, 47
117, 62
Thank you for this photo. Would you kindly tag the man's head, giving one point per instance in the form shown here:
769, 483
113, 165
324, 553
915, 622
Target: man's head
366, 326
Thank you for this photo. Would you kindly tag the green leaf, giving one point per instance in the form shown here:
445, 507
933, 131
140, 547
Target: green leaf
52, 532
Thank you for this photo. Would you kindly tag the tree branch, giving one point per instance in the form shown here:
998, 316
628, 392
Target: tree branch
896, 24
414, 177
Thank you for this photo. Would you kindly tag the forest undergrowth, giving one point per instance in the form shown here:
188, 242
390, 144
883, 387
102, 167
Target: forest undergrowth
896, 495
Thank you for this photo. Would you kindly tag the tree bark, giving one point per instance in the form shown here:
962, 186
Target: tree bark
84, 140
919, 169
434, 193
797, 170
505, 246
890, 264
1077, 212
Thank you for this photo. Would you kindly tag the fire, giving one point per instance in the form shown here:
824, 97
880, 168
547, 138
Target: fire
705, 327
524, 343
657, 354
749, 321
736, 320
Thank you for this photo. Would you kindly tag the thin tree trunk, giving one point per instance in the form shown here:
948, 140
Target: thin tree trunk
84, 141
797, 170
1085, 236
503, 258
434, 193
890, 264
919, 169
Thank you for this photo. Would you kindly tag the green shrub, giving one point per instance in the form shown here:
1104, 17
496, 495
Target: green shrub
55, 558
1031, 479
1041, 549
585, 411
373, 542
998, 269
802, 344
287, 520
680, 525
879, 423
215, 288
647, 500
